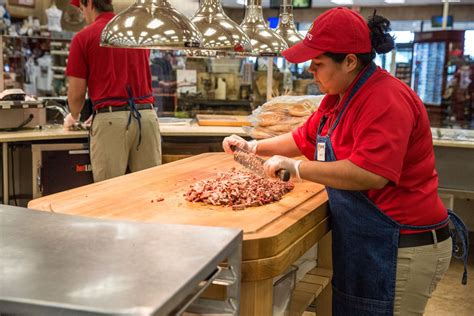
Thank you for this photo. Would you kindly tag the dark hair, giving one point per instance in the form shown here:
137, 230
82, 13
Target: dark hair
100, 5
382, 41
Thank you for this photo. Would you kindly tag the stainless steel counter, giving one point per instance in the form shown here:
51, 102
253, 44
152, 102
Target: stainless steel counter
458, 138
57, 132
54, 264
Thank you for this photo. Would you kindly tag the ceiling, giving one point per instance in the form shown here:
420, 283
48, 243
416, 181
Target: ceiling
362, 3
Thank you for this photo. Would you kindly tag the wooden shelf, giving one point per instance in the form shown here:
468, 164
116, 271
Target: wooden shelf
308, 290
59, 52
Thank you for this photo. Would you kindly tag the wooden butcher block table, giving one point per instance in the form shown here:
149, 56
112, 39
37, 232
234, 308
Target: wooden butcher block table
275, 235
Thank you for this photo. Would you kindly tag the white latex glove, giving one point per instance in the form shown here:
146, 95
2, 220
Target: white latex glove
69, 121
239, 142
276, 163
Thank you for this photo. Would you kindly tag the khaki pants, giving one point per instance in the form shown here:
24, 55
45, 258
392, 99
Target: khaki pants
419, 270
113, 147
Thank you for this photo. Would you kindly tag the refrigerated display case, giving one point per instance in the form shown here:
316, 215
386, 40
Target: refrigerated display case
434, 55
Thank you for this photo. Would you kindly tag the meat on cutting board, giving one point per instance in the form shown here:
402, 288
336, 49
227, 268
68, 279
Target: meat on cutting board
238, 189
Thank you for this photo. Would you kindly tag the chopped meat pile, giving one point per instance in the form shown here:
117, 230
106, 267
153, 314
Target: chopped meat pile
238, 189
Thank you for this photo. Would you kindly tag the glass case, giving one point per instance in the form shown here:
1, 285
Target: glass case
437, 56
185, 86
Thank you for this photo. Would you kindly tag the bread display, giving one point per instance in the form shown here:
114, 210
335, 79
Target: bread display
281, 115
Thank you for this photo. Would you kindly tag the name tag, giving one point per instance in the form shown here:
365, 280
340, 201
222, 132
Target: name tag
321, 150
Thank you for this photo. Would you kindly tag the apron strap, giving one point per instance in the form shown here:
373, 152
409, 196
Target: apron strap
368, 71
460, 237
134, 112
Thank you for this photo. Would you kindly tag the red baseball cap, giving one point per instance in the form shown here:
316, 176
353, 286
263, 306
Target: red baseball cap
75, 3
339, 30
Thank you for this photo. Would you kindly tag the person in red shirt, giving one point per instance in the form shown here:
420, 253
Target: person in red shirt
370, 144
124, 131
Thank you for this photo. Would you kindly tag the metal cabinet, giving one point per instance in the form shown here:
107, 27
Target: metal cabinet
59, 167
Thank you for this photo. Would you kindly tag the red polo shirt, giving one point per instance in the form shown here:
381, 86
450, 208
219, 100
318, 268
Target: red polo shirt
108, 70
385, 129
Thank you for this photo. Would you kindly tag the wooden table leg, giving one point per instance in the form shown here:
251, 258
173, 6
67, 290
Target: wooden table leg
256, 298
324, 300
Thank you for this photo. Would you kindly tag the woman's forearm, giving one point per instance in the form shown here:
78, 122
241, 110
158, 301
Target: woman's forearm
342, 174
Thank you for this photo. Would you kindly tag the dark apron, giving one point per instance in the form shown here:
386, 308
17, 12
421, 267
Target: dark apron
365, 240
134, 112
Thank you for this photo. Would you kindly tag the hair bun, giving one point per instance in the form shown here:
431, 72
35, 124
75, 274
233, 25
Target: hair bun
382, 41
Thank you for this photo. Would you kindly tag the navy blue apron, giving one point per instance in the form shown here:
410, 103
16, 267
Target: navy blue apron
134, 112
365, 240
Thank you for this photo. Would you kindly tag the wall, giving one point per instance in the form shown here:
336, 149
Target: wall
41, 5
37, 11
460, 13
70, 21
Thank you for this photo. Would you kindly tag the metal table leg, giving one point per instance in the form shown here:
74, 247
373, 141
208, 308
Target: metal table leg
235, 266
230, 277
5, 173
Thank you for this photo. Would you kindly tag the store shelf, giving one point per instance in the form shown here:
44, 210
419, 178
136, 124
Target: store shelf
60, 52
58, 68
59, 44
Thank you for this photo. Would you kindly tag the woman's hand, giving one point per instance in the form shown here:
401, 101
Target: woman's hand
235, 140
276, 163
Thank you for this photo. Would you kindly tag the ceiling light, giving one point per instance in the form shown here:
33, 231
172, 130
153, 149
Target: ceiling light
342, 2
219, 31
149, 24
265, 41
394, 1
286, 25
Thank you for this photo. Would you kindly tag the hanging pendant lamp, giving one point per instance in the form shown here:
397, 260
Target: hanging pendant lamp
219, 33
265, 41
151, 24
286, 24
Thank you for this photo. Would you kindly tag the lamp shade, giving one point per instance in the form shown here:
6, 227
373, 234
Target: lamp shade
218, 31
265, 41
286, 25
151, 24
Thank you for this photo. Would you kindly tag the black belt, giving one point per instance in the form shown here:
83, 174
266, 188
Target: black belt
424, 238
145, 106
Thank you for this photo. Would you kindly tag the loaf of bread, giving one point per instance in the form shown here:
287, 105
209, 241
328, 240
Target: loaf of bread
300, 109
270, 118
281, 115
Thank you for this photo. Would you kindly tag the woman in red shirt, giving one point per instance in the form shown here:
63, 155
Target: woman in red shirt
370, 144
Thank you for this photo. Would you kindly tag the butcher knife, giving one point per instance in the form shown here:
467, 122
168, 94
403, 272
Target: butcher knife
255, 164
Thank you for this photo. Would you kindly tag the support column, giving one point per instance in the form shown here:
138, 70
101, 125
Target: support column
269, 78
445, 14
5, 173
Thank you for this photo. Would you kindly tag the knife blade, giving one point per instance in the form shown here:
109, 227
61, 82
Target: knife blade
255, 164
